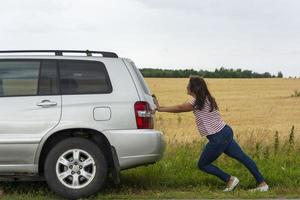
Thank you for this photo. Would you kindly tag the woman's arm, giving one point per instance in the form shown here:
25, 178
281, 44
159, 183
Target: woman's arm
185, 107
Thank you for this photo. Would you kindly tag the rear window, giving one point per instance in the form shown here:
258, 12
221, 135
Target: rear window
141, 79
84, 77
19, 78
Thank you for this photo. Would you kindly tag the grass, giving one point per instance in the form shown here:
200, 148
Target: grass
177, 176
296, 94
265, 120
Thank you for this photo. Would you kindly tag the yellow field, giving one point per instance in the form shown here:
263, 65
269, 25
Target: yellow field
255, 108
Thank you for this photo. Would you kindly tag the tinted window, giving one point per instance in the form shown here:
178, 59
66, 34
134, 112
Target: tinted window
18, 78
48, 78
83, 77
141, 79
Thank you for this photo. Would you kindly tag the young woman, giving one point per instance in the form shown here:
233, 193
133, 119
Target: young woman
218, 133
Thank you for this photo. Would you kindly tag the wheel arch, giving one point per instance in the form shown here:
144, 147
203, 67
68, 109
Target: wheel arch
49, 141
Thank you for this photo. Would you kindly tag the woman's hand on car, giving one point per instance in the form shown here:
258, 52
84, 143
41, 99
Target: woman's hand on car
155, 101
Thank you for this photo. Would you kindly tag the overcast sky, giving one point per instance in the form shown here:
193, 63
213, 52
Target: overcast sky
261, 35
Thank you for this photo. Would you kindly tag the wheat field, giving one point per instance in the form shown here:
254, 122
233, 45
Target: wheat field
255, 108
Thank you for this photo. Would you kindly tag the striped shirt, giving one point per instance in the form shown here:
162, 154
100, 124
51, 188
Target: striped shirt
208, 123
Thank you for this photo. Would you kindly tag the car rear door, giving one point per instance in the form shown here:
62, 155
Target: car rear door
30, 106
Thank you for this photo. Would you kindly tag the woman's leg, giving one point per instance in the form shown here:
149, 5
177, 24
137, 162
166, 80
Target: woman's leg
234, 150
210, 153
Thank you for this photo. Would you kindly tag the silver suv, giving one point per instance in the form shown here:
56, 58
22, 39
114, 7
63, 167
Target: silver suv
73, 117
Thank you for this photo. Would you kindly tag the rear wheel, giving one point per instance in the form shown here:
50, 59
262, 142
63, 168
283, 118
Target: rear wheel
75, 168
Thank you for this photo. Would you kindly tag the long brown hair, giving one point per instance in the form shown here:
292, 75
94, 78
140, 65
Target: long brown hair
198, 86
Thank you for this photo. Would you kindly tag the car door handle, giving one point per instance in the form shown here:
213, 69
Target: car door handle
46, 103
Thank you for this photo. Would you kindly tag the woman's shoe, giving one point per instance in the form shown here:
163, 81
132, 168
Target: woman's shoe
263, 188
235, 181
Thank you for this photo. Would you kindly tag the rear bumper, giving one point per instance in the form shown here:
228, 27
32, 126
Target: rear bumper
137, 147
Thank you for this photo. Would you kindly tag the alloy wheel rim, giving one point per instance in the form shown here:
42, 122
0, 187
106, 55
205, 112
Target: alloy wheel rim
75, 168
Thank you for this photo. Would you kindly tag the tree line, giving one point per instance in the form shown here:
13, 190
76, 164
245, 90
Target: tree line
218, 73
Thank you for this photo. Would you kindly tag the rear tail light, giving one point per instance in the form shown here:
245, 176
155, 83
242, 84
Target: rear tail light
144, 119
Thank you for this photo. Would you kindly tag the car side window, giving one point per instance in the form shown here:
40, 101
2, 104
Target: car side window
48, 83
83, 77
19, 78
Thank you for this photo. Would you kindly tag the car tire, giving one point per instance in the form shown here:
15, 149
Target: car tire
75, 168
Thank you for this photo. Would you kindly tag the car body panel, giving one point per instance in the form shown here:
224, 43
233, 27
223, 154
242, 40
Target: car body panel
23, 124
148, 146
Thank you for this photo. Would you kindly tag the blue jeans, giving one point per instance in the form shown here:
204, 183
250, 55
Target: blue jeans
220, 142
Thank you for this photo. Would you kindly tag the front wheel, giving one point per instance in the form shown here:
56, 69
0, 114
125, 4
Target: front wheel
75, 168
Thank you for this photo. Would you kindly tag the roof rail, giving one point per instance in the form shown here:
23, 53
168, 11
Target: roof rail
60, 52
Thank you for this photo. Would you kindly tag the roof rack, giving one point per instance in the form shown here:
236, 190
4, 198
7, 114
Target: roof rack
60, 52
